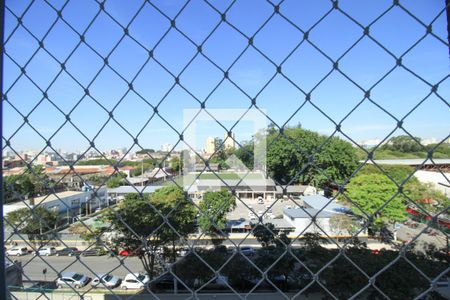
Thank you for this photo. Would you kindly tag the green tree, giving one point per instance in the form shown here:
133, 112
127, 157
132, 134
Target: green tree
265, 234
31, 183
303, 156
403, 143
182, 219
139, 220
116, 180
421, 193
311, 240
176, 164
398, 173
145, 151
246, 154
343, 224
214, 207
370, 192
36, 223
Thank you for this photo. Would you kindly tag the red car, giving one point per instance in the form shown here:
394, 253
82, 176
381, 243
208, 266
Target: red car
128, 252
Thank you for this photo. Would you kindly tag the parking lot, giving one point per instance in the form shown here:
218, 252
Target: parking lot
276, 206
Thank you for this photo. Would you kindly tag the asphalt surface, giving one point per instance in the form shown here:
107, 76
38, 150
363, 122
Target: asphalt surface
33, 266
407, 233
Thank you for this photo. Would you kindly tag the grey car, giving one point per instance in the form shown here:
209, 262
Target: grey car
72, 279
106, 280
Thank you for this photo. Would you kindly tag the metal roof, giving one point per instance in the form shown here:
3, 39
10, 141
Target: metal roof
127, 189
318, 202
302, 213
293, 188
410, 162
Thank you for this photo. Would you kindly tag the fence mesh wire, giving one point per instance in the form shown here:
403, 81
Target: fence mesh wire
119, 31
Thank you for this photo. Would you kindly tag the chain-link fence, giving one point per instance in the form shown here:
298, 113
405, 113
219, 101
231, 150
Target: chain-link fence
341, 191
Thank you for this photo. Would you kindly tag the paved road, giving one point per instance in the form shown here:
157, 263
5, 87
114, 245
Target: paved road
33, 266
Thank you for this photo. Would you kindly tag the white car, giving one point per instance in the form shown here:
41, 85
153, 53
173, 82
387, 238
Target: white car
105, 280
47, 251
17, 251
134, 281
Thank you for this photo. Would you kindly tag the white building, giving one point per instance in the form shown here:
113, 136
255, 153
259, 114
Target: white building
166, 147
210, 145
319, 208
437, 179
69, 202
229, 142
301, 219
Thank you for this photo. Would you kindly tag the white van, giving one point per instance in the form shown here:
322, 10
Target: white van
17, 251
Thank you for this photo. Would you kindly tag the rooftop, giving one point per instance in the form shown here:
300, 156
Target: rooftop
306, 213
410, 162
320, 202
126, 189
55, 196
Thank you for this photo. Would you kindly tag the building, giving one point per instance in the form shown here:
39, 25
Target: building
301, 219
210, 145
250, 188
76, 177
229, 142
319, 202
320, 209
69, 203
437, 179
118, 193
166, 147
43, 159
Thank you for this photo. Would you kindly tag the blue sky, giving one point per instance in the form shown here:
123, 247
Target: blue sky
365, 64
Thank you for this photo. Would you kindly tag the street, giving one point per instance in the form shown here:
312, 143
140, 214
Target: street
33, 266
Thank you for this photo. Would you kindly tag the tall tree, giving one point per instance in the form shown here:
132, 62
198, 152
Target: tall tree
370, 192
31, 183
299, 155
182, 218
139, 220
36, 223
215, 206
404, 143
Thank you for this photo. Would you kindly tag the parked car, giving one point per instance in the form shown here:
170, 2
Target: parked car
134, 281
46, 251
97, 251
72, 279
166, 282
183, 251
247, 251
69, 251
129, 252
17, 251
106, 280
